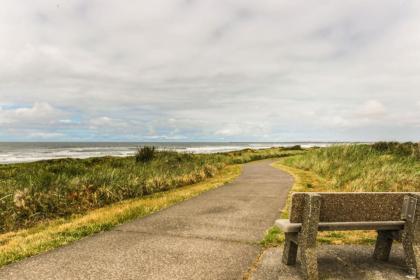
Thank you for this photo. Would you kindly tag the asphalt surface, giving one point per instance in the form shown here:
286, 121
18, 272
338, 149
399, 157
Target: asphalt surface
212, 236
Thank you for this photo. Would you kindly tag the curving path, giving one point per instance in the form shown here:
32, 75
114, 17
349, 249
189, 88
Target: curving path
212, 236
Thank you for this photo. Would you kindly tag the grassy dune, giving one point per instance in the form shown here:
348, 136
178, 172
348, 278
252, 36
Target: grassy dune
31, 193
381, 167
387, 167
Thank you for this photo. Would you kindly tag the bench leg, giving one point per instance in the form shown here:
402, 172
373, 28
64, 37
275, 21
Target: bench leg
412, 256
309, 260
411, 239
290, 249
307, 236
383, 245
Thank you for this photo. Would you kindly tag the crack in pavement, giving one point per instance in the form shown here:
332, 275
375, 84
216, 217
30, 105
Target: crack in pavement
187, 236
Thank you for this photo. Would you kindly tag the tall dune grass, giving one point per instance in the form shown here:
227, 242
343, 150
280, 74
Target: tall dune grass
38, 191
388, 167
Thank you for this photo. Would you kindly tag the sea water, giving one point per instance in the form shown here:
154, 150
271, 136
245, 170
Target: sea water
12, 152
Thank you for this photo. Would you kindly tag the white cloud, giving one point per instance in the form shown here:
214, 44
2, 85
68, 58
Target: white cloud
233, 70
45, 135
39, 113
66, 121
101, 121
241, 128
107, 126
371, 109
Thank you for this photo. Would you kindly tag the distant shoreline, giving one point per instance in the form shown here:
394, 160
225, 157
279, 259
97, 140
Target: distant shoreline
17, 152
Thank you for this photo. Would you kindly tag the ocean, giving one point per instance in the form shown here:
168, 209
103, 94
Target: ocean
13, 152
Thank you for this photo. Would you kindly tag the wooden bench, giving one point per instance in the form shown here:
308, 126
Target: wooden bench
395, 216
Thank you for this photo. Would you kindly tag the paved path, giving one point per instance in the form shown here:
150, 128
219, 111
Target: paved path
212, 236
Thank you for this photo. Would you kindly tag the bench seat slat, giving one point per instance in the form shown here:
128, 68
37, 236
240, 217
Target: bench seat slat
286, 226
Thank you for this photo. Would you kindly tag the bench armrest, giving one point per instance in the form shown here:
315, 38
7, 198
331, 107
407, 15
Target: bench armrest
286, 226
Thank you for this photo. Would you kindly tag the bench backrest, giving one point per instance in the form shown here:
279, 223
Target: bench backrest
352, 207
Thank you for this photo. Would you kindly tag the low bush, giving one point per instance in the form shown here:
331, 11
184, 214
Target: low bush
295, 147
145, 154
407, 149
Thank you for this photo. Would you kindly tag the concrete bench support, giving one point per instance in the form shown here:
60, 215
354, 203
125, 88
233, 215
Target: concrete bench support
290, 248
307, 236
411, 238
383, 245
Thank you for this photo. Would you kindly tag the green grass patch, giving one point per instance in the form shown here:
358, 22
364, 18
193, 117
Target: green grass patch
273, 237
381, 167
364, 168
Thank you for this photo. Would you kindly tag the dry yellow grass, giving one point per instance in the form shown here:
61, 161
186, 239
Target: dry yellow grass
307, 181
24, 243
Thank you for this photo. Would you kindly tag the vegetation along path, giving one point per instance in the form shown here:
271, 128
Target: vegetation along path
213, 236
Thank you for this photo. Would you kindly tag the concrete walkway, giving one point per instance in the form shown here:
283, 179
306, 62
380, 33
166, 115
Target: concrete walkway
343, 262
212, 236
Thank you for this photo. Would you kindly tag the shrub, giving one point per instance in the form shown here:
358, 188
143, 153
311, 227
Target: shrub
383, 146
145, 154
406, 149
294, 148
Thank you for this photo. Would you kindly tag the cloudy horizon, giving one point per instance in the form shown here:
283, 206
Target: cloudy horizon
202, 70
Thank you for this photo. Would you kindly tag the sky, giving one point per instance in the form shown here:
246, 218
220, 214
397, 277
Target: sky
209, 70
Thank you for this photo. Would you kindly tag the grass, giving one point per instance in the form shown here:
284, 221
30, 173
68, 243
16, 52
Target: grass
356, 168
304, 181
31, 193
34, 192
381, 167
273, 237
16, 245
